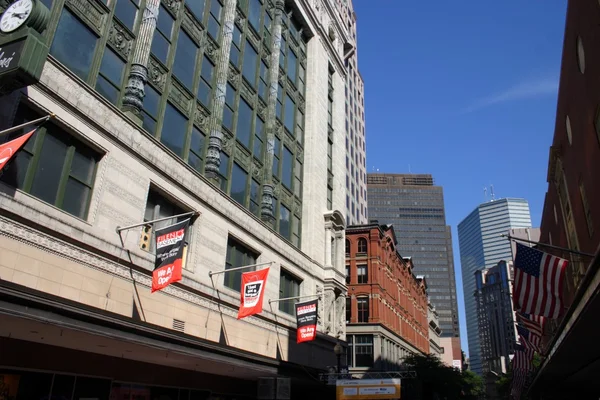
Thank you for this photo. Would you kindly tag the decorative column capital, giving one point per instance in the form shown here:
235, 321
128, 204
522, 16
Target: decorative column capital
266, 204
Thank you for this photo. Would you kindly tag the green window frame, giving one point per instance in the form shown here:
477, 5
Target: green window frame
238, 255
289, 286
53, 166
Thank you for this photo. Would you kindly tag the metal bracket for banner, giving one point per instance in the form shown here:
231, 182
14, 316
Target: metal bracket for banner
295, 298
125, 228
211, 273
35, 121
579, 253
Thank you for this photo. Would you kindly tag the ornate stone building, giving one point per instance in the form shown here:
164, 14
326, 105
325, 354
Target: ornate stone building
386, 307
219, 107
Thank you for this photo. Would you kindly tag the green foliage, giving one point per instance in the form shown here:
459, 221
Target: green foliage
441, 381
503, 385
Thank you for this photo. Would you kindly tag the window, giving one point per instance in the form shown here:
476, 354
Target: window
52, 166
362, 245
244, 124
126, 12
158, 206
214, 20
174, 130
162, 35
348, 309
250, 64
284, 222
289, 286
196, 154
347, 247
362, 274
362, 305
77, 55
286, 168
110, 76
360, 351
206, 78
238, 255
185, 60
348, 274
239, 179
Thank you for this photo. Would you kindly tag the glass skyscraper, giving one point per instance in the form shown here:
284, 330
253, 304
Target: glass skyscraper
415, 207
482, 246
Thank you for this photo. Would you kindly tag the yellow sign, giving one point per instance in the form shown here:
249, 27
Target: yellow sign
363, 389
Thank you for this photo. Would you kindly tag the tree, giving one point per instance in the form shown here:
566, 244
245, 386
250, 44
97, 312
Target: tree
473, 385
440, 381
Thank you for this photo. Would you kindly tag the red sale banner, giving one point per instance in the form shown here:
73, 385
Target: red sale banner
169, 254
253, 291
306, 319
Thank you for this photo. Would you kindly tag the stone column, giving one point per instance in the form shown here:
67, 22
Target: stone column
133, 99
266, 206
340, 260
215, 141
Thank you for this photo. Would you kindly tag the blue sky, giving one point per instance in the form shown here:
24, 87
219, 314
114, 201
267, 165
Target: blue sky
466, 91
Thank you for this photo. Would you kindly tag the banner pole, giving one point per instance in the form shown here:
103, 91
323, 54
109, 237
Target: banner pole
211, 273
125, 228
509, 237
294, 298
35, 121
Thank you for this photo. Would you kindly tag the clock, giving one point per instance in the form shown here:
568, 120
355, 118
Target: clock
16, 15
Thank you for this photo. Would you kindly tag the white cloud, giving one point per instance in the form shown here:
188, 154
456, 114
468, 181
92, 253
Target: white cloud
525, 90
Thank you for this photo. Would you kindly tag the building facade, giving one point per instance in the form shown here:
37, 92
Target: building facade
415, 206
386, 306
356, 148
571, 213
435, 332
496, 317
482, 246
214, 107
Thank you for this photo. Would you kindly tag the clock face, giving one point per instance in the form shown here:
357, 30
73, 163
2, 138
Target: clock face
16, 15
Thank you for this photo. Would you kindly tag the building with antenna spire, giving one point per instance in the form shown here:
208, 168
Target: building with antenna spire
482, 246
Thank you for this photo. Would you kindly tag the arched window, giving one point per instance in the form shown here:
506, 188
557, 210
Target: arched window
362, 245
347, 247
363, 309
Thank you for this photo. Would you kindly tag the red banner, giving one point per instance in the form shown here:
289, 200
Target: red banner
169, 255
9, 149
306, 319
253, 292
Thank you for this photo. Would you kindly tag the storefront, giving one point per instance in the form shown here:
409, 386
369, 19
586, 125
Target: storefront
63, 351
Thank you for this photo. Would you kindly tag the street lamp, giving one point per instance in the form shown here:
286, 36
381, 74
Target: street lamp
338, 351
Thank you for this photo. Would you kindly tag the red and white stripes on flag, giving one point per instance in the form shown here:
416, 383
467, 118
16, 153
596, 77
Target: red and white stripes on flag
533, 323
522, 361
519, 381
538, 282
529, 339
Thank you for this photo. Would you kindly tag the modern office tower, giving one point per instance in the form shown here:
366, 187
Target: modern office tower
496, 318
356, 175
415, 207
482, 246
163, 112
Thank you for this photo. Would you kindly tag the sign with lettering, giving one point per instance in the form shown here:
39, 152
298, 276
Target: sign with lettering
306, 319
10, 54
367, 389
169, 255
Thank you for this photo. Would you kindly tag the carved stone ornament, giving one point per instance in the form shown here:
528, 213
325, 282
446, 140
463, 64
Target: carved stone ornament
233, 76
319, 291
156, 74
120, 39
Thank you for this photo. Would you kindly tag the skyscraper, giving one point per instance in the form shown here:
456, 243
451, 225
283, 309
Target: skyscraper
356, 171
482, 246
415, 206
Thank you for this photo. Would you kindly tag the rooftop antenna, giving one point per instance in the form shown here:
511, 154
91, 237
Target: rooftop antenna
484, 194
492, 192
409, 168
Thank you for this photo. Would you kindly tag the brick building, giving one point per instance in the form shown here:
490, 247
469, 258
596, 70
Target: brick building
571, 213
386, 307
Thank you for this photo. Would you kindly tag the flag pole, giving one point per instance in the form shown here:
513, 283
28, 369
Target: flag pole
509, 237
125, 228
35, 121
211, 273
294, 298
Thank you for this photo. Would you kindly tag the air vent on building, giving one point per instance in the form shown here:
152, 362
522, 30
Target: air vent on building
178, 325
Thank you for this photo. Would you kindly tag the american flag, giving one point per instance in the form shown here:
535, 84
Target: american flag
539, 280
530, 340
519, 381
534, 323
522, 359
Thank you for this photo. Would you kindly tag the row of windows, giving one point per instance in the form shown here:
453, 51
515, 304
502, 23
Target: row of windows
60, 170
181, 63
